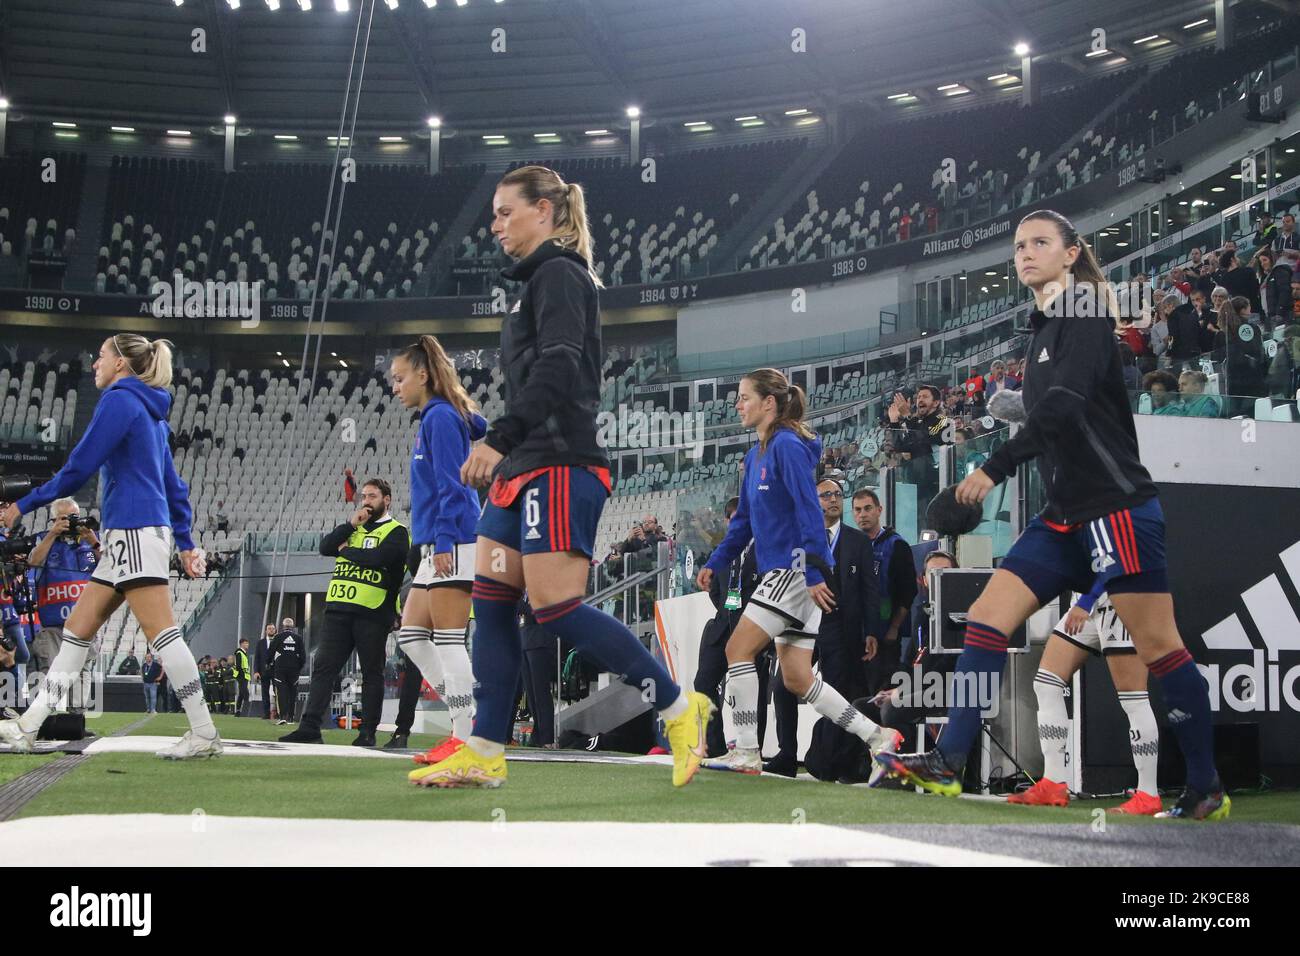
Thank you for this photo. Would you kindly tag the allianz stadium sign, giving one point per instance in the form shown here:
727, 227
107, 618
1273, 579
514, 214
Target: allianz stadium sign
968, 239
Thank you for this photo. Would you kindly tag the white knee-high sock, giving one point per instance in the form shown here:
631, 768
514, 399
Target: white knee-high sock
183, 674
1144, 737
63, 675
417, 644
458, 676
830, 703
1053, 724
740, 697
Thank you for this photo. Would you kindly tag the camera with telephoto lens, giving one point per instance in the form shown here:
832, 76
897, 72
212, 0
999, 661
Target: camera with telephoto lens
13, 487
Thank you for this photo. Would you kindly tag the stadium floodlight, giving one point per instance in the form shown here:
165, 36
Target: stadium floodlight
999, 76
61, 125
633, 112
799, 112
434, 122
1196, 23
595, 132
1148, 39
304, 6
4, 103
122, 129
341, 6
273, 5
230, 119
233, 4
461, 3
898, 96
1097, 53
741, 119
696, 123
286, 136
1021, 49
947, 86
430, 3
391, 4
179, 3
178, 132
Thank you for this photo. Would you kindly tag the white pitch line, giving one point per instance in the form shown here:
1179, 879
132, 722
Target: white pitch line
152, 839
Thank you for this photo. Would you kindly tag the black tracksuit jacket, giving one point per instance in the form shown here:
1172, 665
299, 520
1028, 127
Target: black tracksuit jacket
1079, 425
550, 360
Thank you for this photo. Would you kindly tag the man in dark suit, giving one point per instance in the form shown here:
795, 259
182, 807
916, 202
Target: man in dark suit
262, 668
844, 644
730, 594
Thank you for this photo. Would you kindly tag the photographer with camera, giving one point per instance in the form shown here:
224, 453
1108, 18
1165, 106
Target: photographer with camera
62, 562
146, 512
17, 607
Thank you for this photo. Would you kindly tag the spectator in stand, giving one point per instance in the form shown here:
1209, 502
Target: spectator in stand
1192, 397
349, 486
1204, 281
998, 379
1160, 327
1288, 238
924, 429
1178, 280
1266, 232
1187, 328
1295, 296
974, 387
1275, 274
1129, 364
150, 675
1195, 258
904, 227
645, 534
130, 666
1163, 388
1239, 347
220, 520
1239, 279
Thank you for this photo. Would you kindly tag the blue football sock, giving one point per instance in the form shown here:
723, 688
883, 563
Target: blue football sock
977, 681
498, 656
610, 643
1188, 701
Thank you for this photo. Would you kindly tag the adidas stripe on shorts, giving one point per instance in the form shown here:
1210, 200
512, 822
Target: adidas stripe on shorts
784, 610
134, 556
1103, 633
462, 567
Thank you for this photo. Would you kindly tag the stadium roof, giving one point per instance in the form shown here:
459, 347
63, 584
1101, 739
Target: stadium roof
565, 62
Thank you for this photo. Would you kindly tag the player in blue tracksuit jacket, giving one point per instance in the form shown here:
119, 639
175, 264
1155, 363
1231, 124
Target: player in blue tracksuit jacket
144, 506
779, 511
444, 513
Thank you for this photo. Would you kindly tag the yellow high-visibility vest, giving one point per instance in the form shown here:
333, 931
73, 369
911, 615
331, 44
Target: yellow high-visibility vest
353, 584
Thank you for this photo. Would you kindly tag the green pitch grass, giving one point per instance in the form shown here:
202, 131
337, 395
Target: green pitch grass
377, 789
13, 766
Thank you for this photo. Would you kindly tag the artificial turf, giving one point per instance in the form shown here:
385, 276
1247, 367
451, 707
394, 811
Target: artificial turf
336, 787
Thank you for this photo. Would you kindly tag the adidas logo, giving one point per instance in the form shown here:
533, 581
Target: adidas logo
1177, 716
1043, 356
1260, 685
533, 534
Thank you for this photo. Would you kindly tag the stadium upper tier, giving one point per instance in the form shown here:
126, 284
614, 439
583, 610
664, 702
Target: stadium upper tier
692, 212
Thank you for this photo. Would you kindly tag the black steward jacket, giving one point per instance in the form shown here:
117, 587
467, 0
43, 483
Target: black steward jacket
550, 360
1079, 425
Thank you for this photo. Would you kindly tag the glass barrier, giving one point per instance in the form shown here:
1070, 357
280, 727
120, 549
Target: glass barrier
997, 524
701, 526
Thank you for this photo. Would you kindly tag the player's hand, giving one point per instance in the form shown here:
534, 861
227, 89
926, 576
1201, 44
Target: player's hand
872, 648
822, 596
193, 564
482, 461
704, 579
10, 516
974, 488
442, 564
1074, 621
